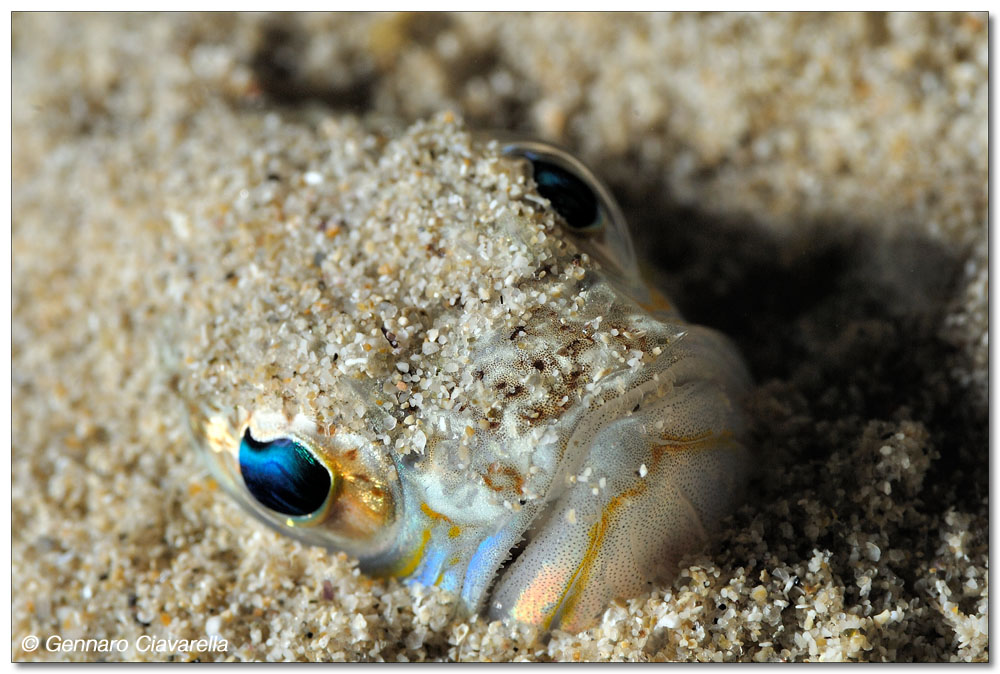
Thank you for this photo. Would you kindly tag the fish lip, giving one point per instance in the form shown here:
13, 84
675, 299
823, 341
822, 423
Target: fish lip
583, 431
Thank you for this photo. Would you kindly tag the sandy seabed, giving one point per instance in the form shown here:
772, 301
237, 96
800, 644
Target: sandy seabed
813, 185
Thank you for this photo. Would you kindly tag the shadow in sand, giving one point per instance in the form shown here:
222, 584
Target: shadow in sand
281, 60
276, 63
841, 327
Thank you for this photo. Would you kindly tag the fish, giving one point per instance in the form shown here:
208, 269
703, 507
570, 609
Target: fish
436, 351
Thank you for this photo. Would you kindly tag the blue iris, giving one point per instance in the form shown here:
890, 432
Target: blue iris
283, 475
571, 197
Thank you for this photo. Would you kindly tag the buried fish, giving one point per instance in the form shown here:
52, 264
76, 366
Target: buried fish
434, 353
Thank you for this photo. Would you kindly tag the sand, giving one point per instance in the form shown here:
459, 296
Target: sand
814, 186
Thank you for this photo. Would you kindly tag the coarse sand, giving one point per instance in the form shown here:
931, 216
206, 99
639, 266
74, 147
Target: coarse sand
815, 186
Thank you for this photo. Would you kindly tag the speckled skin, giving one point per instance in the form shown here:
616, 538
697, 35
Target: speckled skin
577, 415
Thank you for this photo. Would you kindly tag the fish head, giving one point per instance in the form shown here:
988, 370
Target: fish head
503, 409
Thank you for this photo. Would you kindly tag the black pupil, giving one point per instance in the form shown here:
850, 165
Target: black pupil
570, 196
283, 475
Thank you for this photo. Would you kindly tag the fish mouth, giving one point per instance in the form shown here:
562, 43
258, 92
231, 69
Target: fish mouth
465, 559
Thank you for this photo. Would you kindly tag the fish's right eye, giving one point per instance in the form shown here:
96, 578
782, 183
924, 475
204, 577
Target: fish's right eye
283, 475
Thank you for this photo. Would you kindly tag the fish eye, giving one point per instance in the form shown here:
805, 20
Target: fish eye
332, 489
570, 196
574, 192
284, 475
586, 208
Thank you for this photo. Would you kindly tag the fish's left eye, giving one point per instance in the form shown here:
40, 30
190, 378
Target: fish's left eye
576, 195
572, 198
284, 476
586, 208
